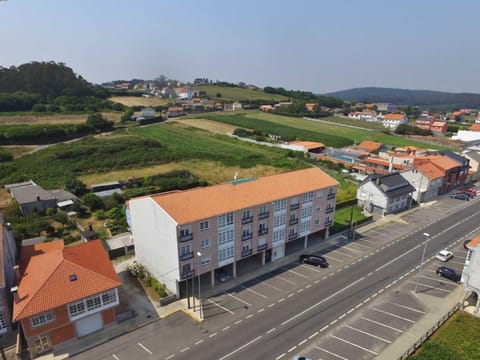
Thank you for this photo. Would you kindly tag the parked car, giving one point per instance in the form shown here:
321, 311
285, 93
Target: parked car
471, 192
448, 273
460, 196
223, 275
296, 357
444, 255
315, 260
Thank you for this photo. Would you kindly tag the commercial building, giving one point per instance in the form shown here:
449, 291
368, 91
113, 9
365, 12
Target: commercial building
182, 234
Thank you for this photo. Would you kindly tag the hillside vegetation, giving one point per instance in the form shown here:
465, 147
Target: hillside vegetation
232, 93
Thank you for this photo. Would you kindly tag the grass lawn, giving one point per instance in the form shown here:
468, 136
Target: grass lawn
33, 119
342, 218
458, 339
140, 100
236, 93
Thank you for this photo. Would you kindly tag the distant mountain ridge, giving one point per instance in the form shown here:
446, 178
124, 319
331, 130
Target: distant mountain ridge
423, 98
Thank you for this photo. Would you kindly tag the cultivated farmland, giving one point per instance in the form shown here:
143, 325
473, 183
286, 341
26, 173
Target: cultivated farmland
140, 101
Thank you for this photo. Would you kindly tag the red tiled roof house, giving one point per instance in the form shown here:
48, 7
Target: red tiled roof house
64, 293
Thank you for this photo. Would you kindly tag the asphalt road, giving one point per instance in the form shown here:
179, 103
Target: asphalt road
284, 327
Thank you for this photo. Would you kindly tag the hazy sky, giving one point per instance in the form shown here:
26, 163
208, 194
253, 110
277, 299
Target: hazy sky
315, 45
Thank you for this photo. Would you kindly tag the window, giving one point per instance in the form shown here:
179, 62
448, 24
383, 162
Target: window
319, 194
225, 254
206, 261
246, 231
307, 197
225, 219
204, 225
306, 212
263, 209
184, 232
109, 297
92, 303
185, 249
318, 210
278, 220
76, 308
246, 214
278, 235
42, 319
225, 237
3, 323
280, 205
317, 222
205, 244
305, 226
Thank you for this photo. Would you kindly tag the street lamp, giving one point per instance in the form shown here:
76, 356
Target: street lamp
427, 235
199, 254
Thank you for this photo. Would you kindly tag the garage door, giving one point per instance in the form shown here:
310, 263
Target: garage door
89, 324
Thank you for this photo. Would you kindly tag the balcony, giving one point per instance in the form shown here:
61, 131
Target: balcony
294, 206
246, 237
187, 274
247, 252
263, 215
262, 231
329, 210
186, 237
292, 236
262, 247
186, 256
328, 223
293, 221
247, 220
331, 196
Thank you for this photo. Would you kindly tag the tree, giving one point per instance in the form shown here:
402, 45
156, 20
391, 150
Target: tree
39, 108
92, 201
219, 95
75, 186
98, 122
127, 115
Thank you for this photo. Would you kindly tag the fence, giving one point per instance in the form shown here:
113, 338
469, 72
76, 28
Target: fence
429, 332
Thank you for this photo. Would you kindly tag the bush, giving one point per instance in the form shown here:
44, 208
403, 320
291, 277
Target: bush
39, 108
92, 201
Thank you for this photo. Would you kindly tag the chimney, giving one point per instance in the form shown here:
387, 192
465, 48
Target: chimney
16, 269
14, 291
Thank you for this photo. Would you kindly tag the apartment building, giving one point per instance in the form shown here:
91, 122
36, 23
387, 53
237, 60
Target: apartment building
184, 234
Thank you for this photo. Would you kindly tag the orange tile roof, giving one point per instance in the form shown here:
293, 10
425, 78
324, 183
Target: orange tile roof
439, 123
45, 282
394, 116
309, 145
430, 171
474, 127
474, 242
201, 203
443, 162
370, 145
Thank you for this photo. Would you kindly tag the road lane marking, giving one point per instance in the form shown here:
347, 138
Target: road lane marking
355, 251
170, 357
241, 348
331, 353
357, 244
292, 348
407, 307
144, 348
199, 342
334, 258
324, 300
316, 332
343, 253
431, 287
381, 324
226, 328
260, 310
253, 291
280, 300
115, 357
212, 335
185, 349
302, 342
310, 267
238, 322
220, 306
249, 316
270, 285
286, 280
280, 356
237, 298
272, 304
271, 330
399, 257
367, 333
296, 273
353, 344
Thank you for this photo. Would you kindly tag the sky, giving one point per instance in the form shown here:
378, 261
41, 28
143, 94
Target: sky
312, 45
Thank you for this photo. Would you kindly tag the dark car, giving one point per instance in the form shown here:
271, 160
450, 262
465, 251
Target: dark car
460, 196
315, 260
223, 275
448, 273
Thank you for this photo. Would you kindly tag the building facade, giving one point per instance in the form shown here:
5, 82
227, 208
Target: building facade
195, 232
8, 256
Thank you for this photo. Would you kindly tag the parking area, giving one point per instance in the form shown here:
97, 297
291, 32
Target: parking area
378, 325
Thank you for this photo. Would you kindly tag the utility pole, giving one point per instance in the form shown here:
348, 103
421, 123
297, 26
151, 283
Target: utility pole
427, 235
350, 227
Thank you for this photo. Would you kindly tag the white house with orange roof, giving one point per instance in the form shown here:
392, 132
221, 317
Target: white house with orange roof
181, 234
63, 293
392, 121
426, 178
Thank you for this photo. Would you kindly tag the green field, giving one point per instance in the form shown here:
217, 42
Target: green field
459, 339
311, 130
237, 93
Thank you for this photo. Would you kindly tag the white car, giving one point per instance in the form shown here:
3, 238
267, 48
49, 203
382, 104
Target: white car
444, 255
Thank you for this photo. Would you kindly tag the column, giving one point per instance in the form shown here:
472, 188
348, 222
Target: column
212, 277
263, 257
234, 269
305, 242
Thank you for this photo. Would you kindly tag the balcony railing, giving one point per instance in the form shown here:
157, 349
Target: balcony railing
186, 256
263, 215
186, 237
292, 236
246, 237
187, 274
247, 220
329, 210
262, 247
247, 252
293, 221
331, 196
328, 223
294, 206
262, 231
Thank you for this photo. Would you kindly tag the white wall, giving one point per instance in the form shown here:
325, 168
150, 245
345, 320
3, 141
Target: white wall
370, 194
155, 237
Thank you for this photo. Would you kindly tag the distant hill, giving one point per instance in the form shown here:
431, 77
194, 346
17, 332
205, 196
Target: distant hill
423, 98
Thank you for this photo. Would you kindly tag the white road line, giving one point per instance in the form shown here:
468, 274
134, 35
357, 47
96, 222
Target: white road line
342, 316
367, 333
271, 330
280, 356
316, 332
334, 258
308, 286
280, 300
407, 307
272, 304
212, 335
399, 257
331, 353
333, 322
438, 278
290, 295
343, 253
199, 342
220, 306
253, 291
170, 357
261, 310
289, 281
302, 342
354, 250
456, 262
238, 322
241, 348
238, 299
248, 316
431, 287
310, 267
271, 286
144, 348
357, 244
353, 344
115, 357
226, 328
299, 290
296, 273
185, 349
368, 241
324, 300
292, 348
381, 324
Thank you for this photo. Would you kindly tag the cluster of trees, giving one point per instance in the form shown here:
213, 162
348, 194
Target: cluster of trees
306, 96
405, 129
298, 109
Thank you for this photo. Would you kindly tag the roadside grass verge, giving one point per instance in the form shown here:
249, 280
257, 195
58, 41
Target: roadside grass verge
457, 339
